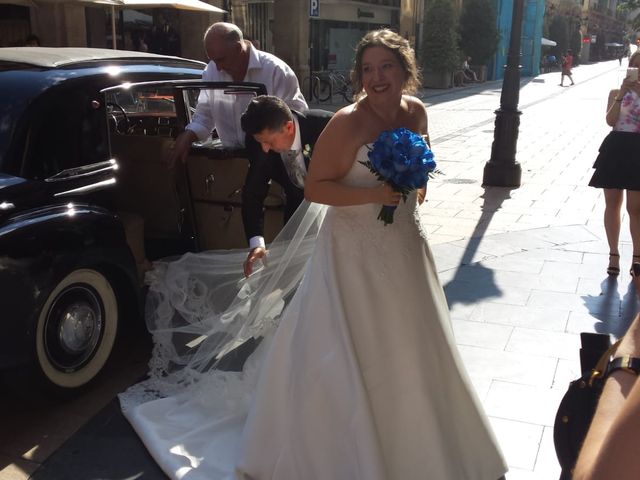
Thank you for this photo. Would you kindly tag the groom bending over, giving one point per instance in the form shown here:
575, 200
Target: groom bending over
287, 137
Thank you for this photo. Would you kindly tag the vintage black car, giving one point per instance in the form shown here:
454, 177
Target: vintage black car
87, 199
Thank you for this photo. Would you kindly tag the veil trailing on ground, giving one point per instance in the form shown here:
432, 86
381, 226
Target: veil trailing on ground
200, 307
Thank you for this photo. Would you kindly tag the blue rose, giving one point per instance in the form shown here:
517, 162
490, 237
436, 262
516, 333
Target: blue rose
403, 159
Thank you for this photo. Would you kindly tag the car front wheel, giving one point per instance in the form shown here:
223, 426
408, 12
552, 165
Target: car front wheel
76, 329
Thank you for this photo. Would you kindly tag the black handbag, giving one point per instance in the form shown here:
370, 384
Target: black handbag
578, 405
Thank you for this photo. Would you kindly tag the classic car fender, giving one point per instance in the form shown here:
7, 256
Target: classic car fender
38, 248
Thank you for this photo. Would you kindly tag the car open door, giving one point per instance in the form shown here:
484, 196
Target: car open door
197, 203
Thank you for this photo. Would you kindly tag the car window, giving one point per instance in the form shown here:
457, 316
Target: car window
161, 109
143, 100
141, 111
68, 130
191, 96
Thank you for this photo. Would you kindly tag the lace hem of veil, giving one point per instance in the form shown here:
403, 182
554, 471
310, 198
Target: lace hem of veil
200, 307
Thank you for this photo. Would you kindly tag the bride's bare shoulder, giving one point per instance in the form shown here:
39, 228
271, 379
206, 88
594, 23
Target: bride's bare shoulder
417, 114
415, 106
348, 125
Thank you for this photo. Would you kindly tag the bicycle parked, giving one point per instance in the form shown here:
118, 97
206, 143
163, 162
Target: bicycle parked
326, 84
312, 86
339, 85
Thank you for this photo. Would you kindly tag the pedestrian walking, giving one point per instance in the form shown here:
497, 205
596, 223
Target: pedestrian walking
567, 64
617, 168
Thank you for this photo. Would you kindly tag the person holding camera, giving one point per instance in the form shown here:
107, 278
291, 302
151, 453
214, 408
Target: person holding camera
617, 167
610, 447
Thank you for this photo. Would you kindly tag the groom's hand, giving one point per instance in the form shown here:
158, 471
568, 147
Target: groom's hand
258, 253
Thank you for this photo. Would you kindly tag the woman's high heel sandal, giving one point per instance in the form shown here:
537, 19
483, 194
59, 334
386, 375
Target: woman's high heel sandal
613, 270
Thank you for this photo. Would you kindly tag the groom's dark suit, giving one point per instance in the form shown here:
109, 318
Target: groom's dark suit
264, 167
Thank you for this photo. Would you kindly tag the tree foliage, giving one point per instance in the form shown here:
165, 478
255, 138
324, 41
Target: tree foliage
479, 35
559, 33
575, 44
629, 7
440, 52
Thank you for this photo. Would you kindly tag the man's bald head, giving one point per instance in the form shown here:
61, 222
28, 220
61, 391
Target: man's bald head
227, 31
224, 45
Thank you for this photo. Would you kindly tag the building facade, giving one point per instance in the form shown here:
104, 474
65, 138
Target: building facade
530, 42
319, 35
602, 28
307, 34
598, 24
310, 35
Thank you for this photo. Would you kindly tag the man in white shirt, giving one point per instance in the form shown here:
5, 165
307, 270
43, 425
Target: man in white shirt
234, 59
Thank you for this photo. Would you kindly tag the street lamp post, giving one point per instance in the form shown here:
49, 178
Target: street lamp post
502, 170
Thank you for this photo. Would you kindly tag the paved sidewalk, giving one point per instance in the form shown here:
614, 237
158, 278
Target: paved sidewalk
523, 269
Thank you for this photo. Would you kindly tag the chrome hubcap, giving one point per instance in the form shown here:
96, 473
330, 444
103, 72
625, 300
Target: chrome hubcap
77, 328
74, 327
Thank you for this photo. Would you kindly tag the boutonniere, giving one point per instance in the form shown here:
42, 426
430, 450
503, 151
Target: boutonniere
307, 150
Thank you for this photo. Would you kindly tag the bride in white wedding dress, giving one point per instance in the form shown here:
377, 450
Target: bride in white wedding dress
361, 379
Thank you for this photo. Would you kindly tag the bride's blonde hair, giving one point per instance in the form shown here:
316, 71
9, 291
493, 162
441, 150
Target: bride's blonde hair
400, 48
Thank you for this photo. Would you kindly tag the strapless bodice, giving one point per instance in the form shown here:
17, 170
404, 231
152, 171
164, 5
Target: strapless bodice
359, 175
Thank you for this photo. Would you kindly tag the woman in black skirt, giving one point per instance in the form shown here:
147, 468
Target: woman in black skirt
617, 167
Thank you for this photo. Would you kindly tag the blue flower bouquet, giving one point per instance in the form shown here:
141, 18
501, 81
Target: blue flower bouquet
402, 159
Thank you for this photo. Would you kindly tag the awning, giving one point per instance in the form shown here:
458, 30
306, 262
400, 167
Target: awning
195, 5
22, 3
548, 43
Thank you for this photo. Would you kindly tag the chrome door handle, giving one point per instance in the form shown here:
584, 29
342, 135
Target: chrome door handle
208, 183
237, 191
228, 212
181, 216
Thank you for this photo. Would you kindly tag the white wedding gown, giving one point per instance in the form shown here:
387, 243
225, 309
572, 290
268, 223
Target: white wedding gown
360, 381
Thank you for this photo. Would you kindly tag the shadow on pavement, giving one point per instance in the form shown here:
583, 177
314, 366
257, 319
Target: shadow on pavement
483, 285
105, 447
612, 314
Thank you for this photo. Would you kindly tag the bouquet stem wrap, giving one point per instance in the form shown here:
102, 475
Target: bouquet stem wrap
402, 159
386, 214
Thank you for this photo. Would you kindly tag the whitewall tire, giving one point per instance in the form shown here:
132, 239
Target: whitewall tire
76, 329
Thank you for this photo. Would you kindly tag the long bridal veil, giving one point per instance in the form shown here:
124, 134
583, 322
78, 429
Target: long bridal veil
200, 307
